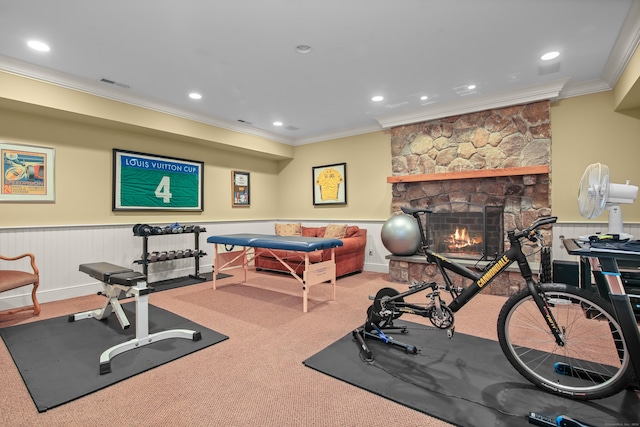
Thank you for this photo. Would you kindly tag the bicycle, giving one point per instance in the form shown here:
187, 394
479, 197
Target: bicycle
563, 339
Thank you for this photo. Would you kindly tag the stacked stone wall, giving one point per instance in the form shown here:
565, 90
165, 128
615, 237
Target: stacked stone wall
502, 138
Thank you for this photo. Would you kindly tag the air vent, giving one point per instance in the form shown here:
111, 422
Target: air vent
292, 128
245, 122
111, 82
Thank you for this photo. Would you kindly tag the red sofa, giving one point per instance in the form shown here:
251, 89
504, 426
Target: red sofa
349, 256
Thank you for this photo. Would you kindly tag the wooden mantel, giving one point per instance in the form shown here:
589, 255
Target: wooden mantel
484, 173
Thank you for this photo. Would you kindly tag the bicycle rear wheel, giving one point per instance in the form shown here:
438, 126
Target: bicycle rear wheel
594, 361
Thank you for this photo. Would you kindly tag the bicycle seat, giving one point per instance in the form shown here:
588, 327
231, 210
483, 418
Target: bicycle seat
412, 211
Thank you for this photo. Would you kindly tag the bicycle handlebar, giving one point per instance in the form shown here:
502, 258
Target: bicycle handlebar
529, 232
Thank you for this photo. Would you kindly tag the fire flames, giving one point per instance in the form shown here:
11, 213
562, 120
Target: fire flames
461, 239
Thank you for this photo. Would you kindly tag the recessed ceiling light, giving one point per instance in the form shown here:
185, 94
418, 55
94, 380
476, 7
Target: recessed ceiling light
303, 49
424, 98
471, 87
194, 95
278, 123
550, 55
39, 46
377, 98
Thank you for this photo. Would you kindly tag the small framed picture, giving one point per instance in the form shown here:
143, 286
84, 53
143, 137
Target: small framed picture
27, 173
330, 184
240, 189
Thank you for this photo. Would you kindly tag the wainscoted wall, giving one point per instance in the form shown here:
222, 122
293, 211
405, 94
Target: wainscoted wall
60, 250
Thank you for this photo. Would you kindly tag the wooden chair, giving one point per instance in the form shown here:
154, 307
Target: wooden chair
12, 279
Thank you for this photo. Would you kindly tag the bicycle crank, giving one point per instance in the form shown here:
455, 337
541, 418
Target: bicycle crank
441, 318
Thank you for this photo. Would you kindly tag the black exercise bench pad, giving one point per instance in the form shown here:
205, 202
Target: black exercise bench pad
465, 381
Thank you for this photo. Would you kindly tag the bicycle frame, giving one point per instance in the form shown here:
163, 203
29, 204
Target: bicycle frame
480, 280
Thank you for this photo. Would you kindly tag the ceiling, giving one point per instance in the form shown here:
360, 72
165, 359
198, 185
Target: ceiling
241, 56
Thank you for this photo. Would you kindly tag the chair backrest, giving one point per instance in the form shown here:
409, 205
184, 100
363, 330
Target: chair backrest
13, 279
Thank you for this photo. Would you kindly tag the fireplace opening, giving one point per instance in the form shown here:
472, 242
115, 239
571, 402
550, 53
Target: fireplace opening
466, 230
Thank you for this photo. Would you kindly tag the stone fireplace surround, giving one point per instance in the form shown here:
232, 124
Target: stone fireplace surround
497, 157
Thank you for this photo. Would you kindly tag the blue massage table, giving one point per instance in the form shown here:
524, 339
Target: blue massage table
313, 274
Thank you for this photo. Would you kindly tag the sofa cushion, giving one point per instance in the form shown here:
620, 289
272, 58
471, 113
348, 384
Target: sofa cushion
352, 230
288, 229
310, 231
335, 231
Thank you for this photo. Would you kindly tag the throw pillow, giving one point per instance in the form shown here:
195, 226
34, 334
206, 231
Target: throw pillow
352, 230
335, 231
288, 229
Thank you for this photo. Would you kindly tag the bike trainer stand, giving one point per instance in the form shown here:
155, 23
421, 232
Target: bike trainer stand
372, 331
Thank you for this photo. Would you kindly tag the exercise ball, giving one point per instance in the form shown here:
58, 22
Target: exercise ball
401, 235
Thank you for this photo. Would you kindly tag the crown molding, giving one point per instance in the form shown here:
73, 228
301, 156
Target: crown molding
338, 134
120, 94
585, 88
624, 47
488, 102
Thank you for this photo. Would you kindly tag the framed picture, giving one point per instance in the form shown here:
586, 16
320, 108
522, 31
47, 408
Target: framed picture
149, 182
330, 184
240, 186
27, 173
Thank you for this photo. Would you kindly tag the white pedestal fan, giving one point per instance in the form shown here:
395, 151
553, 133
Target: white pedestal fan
596, 193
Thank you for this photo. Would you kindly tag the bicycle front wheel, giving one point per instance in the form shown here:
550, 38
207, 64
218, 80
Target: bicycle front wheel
593, 362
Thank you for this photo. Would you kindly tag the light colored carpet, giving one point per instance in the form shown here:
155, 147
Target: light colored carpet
256, 377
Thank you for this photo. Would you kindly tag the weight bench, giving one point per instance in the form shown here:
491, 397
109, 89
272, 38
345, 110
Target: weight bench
117, 279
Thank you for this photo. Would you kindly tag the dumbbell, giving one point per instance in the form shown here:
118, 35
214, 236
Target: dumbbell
188, 253
156, 230
171, 255
141, 230
162, 256
153, 257
188, 228
176, 228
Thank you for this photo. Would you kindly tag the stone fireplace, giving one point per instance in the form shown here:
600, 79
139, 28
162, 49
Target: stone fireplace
463, 167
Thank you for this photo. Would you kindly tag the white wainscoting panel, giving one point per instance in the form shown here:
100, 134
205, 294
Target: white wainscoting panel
59, 252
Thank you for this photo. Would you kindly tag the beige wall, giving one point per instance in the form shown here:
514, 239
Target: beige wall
586, 130
368, 159
83, 175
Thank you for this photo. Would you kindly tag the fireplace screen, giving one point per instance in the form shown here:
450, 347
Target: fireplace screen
467, 230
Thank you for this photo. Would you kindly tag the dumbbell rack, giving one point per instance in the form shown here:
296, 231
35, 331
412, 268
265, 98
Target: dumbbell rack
196, 251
